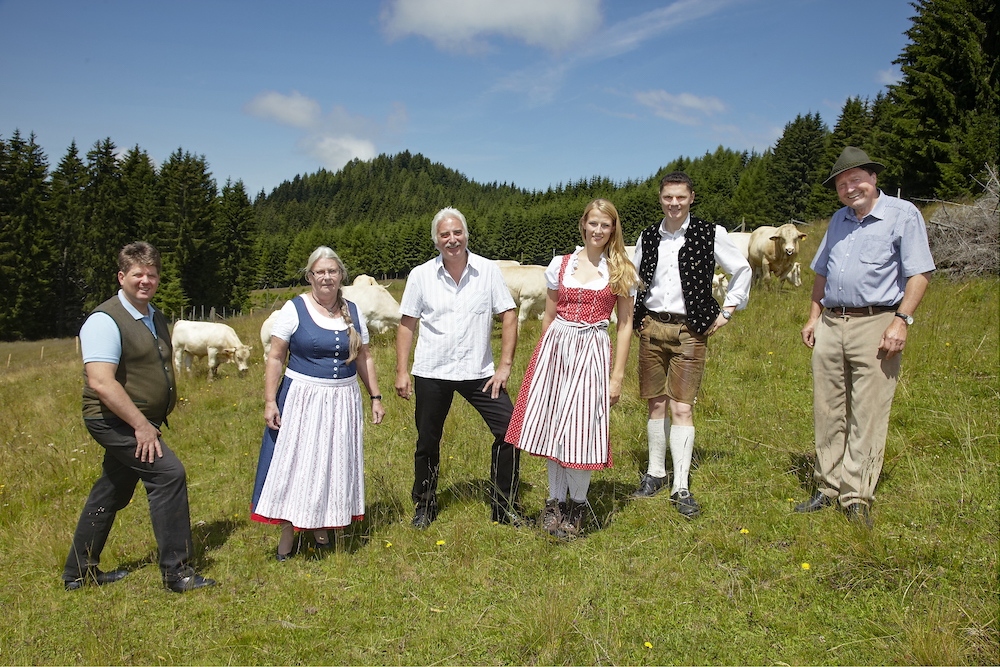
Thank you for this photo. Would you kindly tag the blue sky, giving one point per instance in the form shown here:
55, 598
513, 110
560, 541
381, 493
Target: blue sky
530, 92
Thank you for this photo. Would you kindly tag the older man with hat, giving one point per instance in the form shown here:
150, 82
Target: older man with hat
872, 268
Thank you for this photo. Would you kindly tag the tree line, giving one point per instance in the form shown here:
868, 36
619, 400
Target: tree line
60, 228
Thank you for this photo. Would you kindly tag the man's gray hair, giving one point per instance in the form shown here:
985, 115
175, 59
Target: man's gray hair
448, 212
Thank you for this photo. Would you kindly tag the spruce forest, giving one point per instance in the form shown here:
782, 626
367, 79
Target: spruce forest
60, 226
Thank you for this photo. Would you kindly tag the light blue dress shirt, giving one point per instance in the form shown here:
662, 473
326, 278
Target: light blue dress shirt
867, 262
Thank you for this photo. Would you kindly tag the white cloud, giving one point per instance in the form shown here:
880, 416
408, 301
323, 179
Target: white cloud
888, 77
684, 108
295, 110
541, 82
463, 25
333, 152
333, 138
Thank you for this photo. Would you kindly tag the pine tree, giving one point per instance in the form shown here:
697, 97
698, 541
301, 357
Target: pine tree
945, 109
27, 303
67, 210
797, 169
139, 182
235, 229
107, 224
188, 213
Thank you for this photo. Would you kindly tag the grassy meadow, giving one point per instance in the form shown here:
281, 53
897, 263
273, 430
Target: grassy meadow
749, 582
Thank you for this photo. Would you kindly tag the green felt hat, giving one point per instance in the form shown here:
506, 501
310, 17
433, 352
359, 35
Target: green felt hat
850, 158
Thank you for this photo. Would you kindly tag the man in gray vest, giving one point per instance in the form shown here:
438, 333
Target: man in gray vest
675, 314
128, 392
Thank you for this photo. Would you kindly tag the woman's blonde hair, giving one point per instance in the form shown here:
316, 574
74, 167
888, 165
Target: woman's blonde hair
621, 272
323, 252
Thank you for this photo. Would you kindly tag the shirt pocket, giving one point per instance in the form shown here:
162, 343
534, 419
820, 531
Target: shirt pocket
876, 250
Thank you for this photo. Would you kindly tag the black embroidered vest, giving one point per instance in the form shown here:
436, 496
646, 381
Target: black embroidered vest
697, 264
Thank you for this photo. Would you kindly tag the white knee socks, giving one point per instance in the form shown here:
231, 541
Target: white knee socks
681, 450
656, 435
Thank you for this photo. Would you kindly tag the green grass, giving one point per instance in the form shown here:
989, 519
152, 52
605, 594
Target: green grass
644, 587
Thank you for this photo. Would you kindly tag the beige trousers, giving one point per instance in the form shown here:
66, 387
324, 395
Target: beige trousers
853, 387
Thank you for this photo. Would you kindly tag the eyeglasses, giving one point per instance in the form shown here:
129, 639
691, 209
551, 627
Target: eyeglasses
323, 273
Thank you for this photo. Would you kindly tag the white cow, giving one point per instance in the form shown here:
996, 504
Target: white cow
217, 341
720, 286
742, 241
381, 311
265, 332
527, 285
506, 262
774, 250
364, 279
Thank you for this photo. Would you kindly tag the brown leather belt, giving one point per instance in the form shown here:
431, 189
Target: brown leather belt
668, 318
841, 311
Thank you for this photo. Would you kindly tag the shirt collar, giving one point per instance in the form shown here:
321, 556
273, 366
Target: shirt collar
679, 232
877, 212
132, 310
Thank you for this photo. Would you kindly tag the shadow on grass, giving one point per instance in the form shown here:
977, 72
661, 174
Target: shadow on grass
206, 538
802, 465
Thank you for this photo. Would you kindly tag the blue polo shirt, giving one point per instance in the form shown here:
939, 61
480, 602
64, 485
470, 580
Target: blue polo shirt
867, 262
100, 339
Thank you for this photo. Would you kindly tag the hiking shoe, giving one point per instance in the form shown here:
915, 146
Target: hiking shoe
574, 519
649, 486
551, 517
686, 504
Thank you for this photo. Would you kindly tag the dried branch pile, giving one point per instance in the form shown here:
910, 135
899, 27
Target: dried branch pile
964, 238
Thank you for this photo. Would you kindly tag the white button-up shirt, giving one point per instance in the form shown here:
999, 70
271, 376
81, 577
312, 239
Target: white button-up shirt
665, 294
456, 319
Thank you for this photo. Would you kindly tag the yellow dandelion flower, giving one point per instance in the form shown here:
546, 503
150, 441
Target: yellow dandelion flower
805, 566
744, 531
770, 353
388, 544
440, 543
647, 645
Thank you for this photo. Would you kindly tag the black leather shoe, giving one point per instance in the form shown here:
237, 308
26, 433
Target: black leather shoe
189, 583
685, 503
817, 502
649, 486
423, 516
95, 576
859, 515
280, 557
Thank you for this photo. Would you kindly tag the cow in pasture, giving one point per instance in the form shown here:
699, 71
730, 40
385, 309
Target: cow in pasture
775, 250
380, 309
215, 340
364, 279
265, 332
742, 241
506, 262
720, 285
526, 283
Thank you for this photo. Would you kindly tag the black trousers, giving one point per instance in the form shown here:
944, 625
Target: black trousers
433, 401
166, 490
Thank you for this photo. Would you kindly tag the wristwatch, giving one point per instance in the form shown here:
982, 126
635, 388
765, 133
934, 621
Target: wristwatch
906, 318
726, 314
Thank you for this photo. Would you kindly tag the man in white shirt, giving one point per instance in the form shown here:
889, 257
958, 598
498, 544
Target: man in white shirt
455, 296
675, 314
